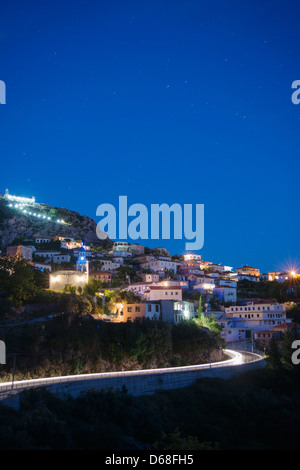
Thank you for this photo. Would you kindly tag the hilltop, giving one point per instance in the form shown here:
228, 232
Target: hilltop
35, 218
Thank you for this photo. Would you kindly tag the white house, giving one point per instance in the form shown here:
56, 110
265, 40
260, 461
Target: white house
138, 288
247, 277
41, 239
261, 314
163, 293
240, 322
61, 258
48, 254
108, 265
160, 265
42, 266
226, 282
225, 293
157, 291
121, 246
70, 244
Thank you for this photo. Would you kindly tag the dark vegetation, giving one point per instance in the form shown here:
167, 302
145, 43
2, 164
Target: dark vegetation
281, 292
258, 410
71, 344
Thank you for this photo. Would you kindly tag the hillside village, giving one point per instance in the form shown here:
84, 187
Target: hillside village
160, 286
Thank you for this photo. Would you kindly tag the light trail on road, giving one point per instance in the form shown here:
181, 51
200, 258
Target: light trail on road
236, 358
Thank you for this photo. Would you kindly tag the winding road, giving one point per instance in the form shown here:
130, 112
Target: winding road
137, 382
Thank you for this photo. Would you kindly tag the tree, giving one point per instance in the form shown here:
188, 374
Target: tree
200, 311
174, 441
273, 354
72, 307
125, 297
17, 280
94, 285
97, 264
69, 289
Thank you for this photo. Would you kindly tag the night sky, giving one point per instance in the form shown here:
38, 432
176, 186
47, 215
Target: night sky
163, 101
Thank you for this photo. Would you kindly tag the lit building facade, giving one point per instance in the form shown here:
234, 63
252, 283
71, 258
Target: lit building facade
60, 279
248, 270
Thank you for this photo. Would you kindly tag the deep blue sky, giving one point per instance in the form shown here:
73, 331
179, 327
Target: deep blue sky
163, 101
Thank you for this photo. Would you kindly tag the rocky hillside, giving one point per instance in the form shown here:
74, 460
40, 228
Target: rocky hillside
14, 223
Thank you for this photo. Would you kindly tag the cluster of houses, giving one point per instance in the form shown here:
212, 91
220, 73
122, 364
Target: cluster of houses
256, 320
163, 281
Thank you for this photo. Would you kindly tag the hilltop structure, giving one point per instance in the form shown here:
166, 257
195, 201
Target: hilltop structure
19, 199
